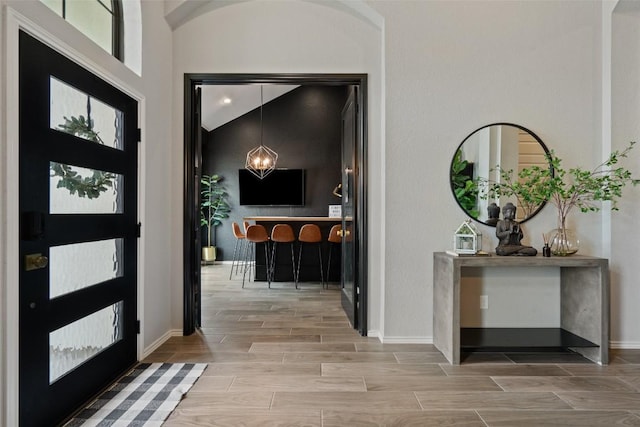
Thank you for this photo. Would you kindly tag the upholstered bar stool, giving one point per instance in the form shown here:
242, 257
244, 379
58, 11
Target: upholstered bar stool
309, 234
282, 233
255, 234
333, 239
237, 248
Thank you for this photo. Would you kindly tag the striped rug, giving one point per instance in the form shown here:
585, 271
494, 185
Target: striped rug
144, 397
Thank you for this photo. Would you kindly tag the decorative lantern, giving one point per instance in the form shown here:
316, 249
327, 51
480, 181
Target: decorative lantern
467, 239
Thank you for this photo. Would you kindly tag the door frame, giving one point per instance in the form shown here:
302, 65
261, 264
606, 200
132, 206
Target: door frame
191, 157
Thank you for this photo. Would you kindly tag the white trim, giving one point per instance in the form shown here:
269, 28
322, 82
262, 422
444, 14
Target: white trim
382, 171
624, 345
374, 333
15, 21
157, 343
406, 340
11, 312
605, 93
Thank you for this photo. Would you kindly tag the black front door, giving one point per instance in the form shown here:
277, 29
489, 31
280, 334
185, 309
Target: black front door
78, 232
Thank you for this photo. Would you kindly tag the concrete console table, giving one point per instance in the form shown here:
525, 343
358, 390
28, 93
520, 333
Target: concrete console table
584, 307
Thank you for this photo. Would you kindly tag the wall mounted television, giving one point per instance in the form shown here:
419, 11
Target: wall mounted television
282, 187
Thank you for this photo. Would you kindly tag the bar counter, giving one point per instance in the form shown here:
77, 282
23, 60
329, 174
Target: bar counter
309, 268
287, 219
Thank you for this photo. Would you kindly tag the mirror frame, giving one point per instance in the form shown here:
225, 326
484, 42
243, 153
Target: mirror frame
522, 128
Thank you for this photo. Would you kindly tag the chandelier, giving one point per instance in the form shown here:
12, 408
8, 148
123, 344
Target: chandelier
261, 161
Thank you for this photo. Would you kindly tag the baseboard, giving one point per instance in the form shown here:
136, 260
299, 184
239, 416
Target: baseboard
374, 333
624, 345
406, 340
157, 343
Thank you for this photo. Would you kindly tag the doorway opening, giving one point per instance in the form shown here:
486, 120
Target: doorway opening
354, 178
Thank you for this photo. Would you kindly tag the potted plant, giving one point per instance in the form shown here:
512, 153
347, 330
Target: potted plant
566, 189
213, 209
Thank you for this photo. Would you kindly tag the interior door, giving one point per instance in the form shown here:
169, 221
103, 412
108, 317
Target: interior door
350, 134
196, 294
78, 230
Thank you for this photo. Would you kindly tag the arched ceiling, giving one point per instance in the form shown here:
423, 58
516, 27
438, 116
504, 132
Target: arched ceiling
179, 12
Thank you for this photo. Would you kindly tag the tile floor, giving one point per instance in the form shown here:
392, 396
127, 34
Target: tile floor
282, 357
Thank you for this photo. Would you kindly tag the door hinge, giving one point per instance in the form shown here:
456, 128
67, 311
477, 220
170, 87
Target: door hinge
138, 229
139, 134
137, 327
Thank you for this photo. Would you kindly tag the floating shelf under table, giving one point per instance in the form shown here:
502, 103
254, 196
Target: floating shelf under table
520, 339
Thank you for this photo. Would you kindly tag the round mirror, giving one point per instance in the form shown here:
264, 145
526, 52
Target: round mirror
483, 157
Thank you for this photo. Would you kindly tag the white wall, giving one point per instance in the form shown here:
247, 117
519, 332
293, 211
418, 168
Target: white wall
452, 67
280, 37
625, 127
447, 68
153, 91
158, 247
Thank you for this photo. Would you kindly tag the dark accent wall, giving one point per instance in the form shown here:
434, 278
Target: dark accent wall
304, 128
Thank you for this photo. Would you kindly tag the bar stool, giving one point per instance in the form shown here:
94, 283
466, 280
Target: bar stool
238, 247
282, 233
256, 234
309, 233
333, 239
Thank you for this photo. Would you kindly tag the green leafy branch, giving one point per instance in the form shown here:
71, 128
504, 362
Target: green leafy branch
90, 186
566, 189
81, 127
521, 187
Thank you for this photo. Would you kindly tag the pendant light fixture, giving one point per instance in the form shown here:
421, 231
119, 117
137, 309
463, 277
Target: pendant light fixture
261, 161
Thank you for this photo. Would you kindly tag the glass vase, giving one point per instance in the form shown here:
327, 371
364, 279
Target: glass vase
563, 241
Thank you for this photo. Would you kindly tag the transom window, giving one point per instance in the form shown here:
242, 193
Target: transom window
100, 20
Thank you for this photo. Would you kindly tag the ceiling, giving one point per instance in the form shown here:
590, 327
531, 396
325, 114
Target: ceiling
240, 100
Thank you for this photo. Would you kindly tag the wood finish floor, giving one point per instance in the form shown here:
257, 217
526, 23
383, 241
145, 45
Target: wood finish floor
286, 357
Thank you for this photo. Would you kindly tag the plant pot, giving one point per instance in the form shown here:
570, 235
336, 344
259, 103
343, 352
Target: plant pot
208, 254
563, 241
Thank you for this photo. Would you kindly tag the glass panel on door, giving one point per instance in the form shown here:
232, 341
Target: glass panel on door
73, 111
77, 342
77, 190
78, 266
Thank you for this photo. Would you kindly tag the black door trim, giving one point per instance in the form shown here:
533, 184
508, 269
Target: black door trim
191, 217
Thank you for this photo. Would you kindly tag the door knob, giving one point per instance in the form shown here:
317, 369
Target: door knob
35, 262
344, 233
